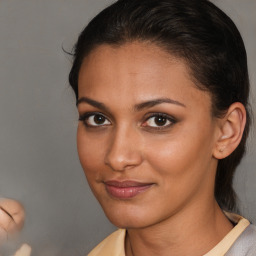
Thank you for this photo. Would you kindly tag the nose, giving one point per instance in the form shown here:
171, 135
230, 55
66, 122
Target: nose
124, 150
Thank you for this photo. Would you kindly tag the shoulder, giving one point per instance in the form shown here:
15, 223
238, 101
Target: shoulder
113, 245
245, 245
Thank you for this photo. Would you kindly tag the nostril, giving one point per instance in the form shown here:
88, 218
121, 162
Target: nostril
121, 161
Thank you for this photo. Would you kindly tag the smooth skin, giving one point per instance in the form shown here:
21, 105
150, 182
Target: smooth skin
12, 216
142, 118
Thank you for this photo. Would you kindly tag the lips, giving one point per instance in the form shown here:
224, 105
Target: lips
126, 189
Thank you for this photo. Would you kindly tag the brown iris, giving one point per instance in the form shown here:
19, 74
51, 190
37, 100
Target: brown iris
99, 119
160, 120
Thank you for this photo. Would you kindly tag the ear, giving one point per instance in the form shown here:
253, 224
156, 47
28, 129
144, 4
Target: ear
230, 130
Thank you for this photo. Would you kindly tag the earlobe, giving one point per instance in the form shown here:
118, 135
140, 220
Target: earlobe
231, 130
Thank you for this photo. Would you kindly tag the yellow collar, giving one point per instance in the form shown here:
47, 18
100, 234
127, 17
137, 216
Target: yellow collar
114, 245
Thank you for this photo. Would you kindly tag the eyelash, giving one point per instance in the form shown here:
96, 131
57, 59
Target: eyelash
84, 118
169, 118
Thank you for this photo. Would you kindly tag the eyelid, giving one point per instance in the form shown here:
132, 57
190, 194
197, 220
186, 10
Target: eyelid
156, 114
85, 116
90, 113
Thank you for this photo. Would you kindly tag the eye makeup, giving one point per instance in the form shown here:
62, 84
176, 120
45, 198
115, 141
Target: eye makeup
158, 121
94, 119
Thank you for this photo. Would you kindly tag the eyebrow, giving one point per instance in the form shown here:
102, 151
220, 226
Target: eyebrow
137, 107
93, 103
152, 103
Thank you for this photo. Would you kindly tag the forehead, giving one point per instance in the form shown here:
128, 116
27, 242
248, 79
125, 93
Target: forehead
138, 71
134, 57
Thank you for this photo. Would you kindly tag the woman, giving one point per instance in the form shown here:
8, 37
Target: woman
162, 94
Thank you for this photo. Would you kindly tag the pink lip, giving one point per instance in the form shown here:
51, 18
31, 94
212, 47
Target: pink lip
126, 189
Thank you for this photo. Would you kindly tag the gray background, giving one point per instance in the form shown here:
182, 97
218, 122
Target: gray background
39, 163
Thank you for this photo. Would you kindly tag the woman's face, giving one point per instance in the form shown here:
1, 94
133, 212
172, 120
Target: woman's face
146, 134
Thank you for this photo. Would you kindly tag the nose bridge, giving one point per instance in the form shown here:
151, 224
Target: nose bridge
124, 148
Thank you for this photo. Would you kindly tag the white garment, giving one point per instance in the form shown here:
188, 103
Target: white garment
245, 245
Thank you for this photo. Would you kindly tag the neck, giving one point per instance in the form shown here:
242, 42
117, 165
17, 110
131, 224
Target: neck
193, 231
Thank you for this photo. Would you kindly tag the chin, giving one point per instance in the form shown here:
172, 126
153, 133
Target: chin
127, 216
127, 222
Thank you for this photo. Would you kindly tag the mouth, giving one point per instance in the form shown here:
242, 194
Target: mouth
126, 189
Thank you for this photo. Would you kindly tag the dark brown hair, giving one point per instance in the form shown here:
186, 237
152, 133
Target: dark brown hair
199, 33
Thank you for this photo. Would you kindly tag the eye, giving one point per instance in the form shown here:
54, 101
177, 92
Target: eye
159, 121
94, 120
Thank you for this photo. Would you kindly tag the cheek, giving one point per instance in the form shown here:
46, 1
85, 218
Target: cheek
182, 158
91, 152
180, 171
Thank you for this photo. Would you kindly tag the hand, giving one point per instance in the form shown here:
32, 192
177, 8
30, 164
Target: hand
12, 217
